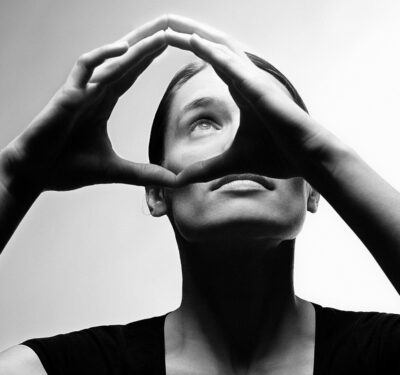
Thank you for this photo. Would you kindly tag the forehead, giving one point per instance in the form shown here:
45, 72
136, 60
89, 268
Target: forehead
206, 84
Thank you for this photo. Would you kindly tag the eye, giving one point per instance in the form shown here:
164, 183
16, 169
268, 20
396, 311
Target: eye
204, 125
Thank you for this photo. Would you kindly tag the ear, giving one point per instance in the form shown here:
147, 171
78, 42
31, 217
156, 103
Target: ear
312, 200
155, 197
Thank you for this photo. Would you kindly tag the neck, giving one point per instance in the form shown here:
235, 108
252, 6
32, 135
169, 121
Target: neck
235, 295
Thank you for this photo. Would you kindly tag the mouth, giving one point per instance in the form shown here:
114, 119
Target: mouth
261, 180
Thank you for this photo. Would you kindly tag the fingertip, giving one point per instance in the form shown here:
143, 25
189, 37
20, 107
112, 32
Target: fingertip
167, 18
164, 21
169, 36
195, 42
171, 18
162, 34
194, 173
178, 40
195, 37
125, 45
120, 45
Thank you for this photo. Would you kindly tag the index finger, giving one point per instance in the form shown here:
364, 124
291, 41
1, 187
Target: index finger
148, 29
188, 26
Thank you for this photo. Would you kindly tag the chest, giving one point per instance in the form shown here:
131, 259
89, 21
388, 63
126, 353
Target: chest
286, 370
300, 363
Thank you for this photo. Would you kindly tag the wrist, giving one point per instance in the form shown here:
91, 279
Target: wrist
18, 186
325, 152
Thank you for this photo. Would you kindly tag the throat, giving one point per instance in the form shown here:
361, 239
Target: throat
236, 303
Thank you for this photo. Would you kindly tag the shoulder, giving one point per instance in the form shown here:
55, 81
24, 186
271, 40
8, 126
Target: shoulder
20, 360
345, 321
97, 349
366, 339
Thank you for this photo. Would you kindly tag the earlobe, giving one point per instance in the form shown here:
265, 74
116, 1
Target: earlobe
156, 201
313, 200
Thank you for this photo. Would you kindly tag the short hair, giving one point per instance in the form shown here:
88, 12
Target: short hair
156, 142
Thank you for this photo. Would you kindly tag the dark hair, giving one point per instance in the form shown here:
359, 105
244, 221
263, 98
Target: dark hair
156, 143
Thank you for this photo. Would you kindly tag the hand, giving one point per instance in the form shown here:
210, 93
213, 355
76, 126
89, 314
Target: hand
275, 137
67, 145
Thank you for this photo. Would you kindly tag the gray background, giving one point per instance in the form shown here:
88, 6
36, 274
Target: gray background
95, 256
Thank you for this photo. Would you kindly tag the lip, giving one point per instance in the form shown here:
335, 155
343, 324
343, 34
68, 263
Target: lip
243, 176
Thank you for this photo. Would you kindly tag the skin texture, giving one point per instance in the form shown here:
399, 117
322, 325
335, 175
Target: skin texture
232, 241
204, 131
239, 313
66, 146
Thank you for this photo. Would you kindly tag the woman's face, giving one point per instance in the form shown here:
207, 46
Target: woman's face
203, 121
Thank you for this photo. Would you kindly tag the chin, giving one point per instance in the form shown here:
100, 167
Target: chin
201, 216
239, 228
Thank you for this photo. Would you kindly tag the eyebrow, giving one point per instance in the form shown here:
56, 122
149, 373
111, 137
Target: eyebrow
201, 102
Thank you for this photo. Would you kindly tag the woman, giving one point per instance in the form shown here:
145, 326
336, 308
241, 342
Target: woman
221, 129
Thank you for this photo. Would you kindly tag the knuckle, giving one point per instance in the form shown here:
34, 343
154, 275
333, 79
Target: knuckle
111, 67
218, 53
224, 48
228, 59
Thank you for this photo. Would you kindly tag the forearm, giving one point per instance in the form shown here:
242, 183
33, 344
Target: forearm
13, 206
367, 203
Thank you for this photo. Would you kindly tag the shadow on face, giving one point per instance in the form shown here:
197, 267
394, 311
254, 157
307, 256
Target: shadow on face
202, 123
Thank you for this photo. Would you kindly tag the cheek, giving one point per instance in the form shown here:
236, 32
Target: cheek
188, 209
198, 214
292, 203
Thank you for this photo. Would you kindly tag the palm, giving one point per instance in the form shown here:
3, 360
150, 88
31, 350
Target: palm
279, 139
67, 145
84, 161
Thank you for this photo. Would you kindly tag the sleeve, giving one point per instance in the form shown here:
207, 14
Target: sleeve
389, 344
357, 342
377, 340
90, 351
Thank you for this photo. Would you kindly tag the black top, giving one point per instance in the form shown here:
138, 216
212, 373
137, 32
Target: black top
346, 343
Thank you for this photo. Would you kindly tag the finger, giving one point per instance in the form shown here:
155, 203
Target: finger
265, 162
127, 80
179, 40
83, 68
209, 169
116, 69
127, 172
216, 54
234, 71
189, 26
183, 41
146, 30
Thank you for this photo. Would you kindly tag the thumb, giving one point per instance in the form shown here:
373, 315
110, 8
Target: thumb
210, 169
127, 172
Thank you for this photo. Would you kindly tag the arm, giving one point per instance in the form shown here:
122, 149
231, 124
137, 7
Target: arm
365, 201
291, 143
67, 145
20, 360
12, 210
